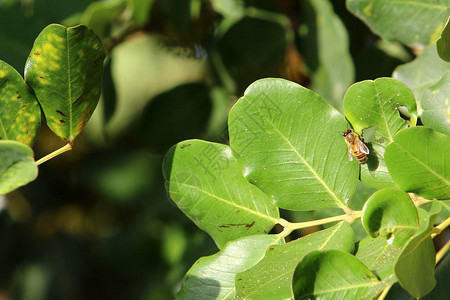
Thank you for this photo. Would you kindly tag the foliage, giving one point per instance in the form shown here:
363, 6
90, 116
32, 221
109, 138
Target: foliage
149, 74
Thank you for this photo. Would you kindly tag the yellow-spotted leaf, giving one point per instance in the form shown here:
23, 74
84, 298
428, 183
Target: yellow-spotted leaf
20, 115
17, 166
64, 69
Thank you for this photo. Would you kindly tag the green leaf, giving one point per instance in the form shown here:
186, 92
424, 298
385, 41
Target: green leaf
422, 73
334, 72
334, 274
206, 183
141, 10
17, 166
213, 277
390, 212
65, 69
379, 256
100, 15
415, 266
290, 145
443, 43
435, 105
418, 162
271, 278
375, 104
412, 22
20, 115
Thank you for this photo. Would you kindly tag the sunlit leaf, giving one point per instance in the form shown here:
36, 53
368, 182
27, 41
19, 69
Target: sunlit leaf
422, 73
418, 161
334, 274
375, 104
415, 266
379, 256
289, 142
20, 115
64, 70
412, 22
271, 278
17, 166
206, 183
213, 277
436, 105
391, 213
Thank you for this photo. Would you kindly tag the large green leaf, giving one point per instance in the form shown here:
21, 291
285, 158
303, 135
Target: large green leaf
418, 162
422, 73
20, 115
415, 266
213, 277
332, 67
436, 105
289, 142
391, 213
334, 274
375, 104
271, 278
412, 22
17, 166
206, 183
443, 43
65, 69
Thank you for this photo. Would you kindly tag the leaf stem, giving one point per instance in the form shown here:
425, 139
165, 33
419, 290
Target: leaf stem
288, 227
61, 150
384, 292
439, 228
441, 253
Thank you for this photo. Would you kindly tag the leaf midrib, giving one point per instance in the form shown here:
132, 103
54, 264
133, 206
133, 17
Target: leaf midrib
310, 168
423, 164
69, 84
275, 220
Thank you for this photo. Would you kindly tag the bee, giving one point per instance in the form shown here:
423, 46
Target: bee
355, 147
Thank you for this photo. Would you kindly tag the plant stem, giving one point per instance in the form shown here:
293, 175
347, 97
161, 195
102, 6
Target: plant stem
384, 292
441, 253
61, 150
289, 227
438, 229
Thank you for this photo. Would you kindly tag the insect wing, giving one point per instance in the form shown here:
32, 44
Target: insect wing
363, 147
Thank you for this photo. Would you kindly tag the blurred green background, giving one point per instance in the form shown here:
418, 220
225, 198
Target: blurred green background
97, 223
